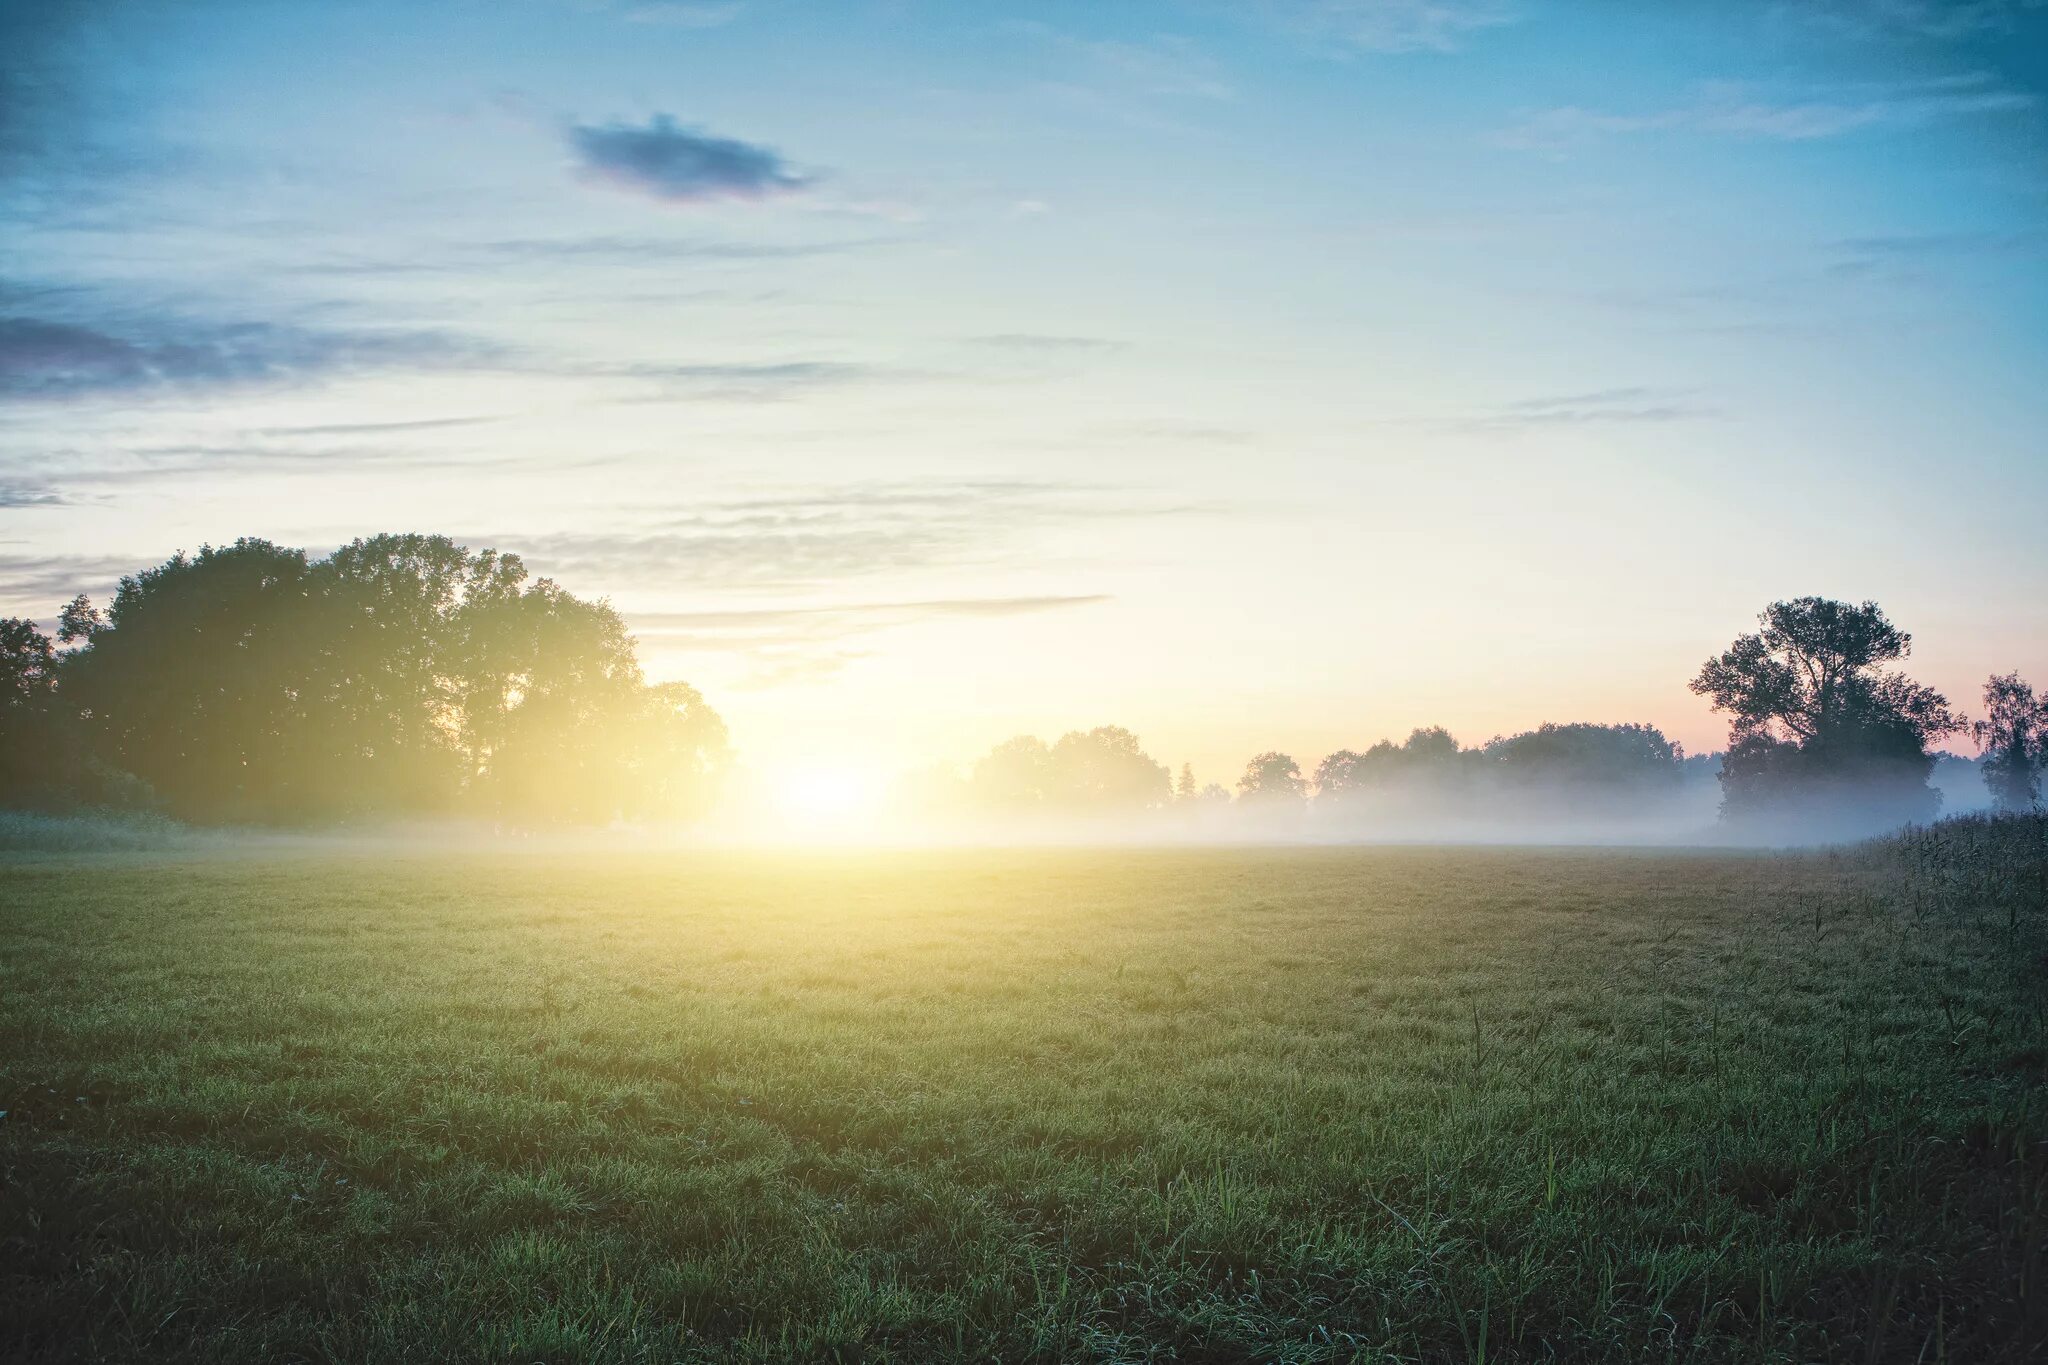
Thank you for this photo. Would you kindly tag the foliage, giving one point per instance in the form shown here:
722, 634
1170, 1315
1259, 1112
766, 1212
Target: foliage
2013, 738
1818, 723
1306, 1106
1103, 771
1272, 778
401, 675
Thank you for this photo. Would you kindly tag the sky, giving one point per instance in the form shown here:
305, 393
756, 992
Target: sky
1270, 374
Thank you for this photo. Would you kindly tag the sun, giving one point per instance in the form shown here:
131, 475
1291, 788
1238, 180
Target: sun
827, 794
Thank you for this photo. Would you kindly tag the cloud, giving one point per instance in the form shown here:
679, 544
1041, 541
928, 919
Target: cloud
1164, 65
676, 15
810, 539
856, 618
1599, 407
1042, 343
491, 256
50, 358
679, 165
1732, 109
1920, 258
806, 644
27, 581
1941, 20
1392, 25
376, 428
15, 494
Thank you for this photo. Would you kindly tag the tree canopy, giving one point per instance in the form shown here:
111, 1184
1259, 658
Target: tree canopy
1817, 718
400, 675
2013, 737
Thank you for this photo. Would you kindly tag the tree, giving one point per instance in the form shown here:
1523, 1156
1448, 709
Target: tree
1014, 776
401, 675
1622, 760
1186, 790
1104, 769
1086, 772
28, 713
1272, 777
1817, 720
1428, 761
2013, 738
197, 681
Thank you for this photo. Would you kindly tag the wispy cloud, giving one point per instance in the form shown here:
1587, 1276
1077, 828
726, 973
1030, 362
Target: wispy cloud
1942, 20
492, 255
805, 540
53, 358
1905, 254
1165, 65
1040, 343
1598, 407
38, 582
672, 14
376, 428
1392, 25
834, 622
678, 165
808, 644
1735, 109
17, 494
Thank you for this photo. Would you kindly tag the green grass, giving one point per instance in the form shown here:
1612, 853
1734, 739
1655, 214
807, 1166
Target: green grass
1298, 1105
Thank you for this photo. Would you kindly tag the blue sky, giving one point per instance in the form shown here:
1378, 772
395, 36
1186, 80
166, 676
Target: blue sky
1284, 373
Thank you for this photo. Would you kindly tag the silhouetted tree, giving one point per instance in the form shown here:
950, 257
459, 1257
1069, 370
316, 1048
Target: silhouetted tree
1272, 777
1186, 789
1818, 724
29, 739
401, 675
1013, 777
2013, 739
1588, 759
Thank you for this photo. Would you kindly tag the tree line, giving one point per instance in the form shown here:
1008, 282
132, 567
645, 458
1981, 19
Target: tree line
401, 675
406, 675
1822, 725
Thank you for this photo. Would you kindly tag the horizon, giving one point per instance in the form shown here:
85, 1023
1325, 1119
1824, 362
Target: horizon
1278, 378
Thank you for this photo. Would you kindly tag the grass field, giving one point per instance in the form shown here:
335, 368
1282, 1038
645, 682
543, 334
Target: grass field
1294, 1105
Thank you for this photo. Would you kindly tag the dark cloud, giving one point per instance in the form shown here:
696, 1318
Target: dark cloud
680, 165
44, 357
30, 580
14, 494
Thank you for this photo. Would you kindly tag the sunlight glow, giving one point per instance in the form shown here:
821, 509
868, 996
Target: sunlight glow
828, 794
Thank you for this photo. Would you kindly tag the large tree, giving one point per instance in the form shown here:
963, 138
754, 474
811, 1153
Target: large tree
1820, 724
2013, 737
400, 675
1272, 778
29, 740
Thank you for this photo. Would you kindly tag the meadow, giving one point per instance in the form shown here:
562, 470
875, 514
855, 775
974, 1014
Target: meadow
1329, 1104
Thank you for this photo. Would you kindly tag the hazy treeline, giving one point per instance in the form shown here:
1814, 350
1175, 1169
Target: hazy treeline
406, 675
1543, 780
1826, 741
402, 675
